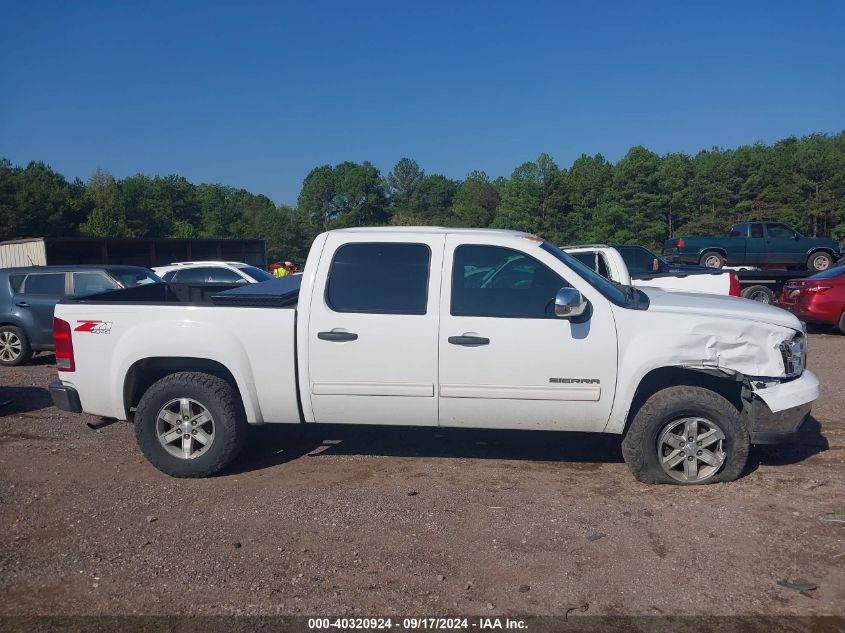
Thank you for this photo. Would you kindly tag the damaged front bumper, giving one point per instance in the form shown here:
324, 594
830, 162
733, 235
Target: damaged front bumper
775, 411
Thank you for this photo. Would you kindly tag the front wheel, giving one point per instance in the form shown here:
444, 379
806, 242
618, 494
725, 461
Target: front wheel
190, 424
712, 259
819, 261
686, 436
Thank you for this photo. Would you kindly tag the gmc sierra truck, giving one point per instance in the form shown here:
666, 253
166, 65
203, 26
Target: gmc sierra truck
755, 244
443, 327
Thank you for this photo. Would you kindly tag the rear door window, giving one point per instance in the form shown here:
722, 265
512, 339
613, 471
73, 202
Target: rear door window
757, 230
192, 276
225, 276
52, 284
383, 278
594, 260
90, 283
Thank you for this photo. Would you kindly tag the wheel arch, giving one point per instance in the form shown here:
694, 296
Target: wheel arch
822, 249
713, 249
143, 373
728, 386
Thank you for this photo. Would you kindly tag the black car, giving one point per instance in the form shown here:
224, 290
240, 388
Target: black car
28, 296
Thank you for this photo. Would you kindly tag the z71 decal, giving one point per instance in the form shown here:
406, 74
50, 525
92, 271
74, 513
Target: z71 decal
94, 327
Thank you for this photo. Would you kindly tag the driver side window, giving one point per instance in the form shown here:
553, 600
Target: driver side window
781, 231
494, 281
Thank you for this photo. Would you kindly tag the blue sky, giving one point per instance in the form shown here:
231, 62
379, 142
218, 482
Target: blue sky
257, 94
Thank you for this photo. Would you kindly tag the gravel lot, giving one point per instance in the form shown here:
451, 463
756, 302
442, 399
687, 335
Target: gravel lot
363, 521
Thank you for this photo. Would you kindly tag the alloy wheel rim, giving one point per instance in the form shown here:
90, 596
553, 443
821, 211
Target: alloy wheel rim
185, 428
712, 262
691, 449
820, 263
10, 346
760, 296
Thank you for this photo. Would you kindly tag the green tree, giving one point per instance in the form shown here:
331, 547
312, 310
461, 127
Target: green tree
475, 201
403, 181
108, 213
524, 198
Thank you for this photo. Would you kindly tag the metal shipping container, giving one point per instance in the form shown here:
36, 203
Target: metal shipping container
29, 252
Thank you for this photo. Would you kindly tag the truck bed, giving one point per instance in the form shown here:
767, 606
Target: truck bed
115, 334
276, 293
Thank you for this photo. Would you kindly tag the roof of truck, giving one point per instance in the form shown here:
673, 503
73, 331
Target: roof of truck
430, 230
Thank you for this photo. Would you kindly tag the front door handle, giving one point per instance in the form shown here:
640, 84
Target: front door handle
337, 336
22, 304
469, 341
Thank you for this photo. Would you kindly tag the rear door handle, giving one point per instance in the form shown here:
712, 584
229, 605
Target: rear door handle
337, 336
22, 304
469, 341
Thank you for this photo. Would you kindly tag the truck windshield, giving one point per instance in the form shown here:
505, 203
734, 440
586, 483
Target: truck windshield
612, 291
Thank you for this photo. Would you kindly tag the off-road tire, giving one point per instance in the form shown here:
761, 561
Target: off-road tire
639, 446
218, 397
26, 350
716, 255
813, 262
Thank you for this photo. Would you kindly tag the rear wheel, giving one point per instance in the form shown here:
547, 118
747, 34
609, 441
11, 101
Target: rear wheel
190, 424
686, 436
712, 259
841, 324
819, 261
759, 293
14, 346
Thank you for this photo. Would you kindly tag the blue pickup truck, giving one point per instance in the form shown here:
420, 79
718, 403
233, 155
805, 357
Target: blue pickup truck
755, 244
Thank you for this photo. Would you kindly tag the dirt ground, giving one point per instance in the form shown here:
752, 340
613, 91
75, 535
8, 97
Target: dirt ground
361, 521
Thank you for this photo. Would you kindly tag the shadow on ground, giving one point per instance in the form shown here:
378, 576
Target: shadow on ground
272, 445
810, 442
16, 400
43, 359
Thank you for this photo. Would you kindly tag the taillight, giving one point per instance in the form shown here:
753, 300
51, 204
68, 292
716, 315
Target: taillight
681, 243
734, 290
64, 345
818, 288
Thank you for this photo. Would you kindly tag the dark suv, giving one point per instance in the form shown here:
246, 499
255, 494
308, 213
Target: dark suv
28, 296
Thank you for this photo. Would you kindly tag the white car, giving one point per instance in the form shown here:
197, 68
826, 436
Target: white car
444, 327
212, 272
633, 265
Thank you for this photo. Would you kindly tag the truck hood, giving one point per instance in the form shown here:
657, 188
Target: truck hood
687, 303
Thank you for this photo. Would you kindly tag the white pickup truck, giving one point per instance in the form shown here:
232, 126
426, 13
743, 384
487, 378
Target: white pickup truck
443, 327
633, 265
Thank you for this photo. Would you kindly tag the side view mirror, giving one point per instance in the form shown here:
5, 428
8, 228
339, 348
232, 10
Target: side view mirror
569, 303
796, 238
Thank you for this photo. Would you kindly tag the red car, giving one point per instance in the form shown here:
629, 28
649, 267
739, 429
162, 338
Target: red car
819, 298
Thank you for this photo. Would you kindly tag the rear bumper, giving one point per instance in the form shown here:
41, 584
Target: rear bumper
809, 314
64, 397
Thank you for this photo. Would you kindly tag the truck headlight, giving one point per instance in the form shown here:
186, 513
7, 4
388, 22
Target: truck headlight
794, 354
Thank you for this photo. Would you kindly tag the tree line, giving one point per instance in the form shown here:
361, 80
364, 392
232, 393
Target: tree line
642, 198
